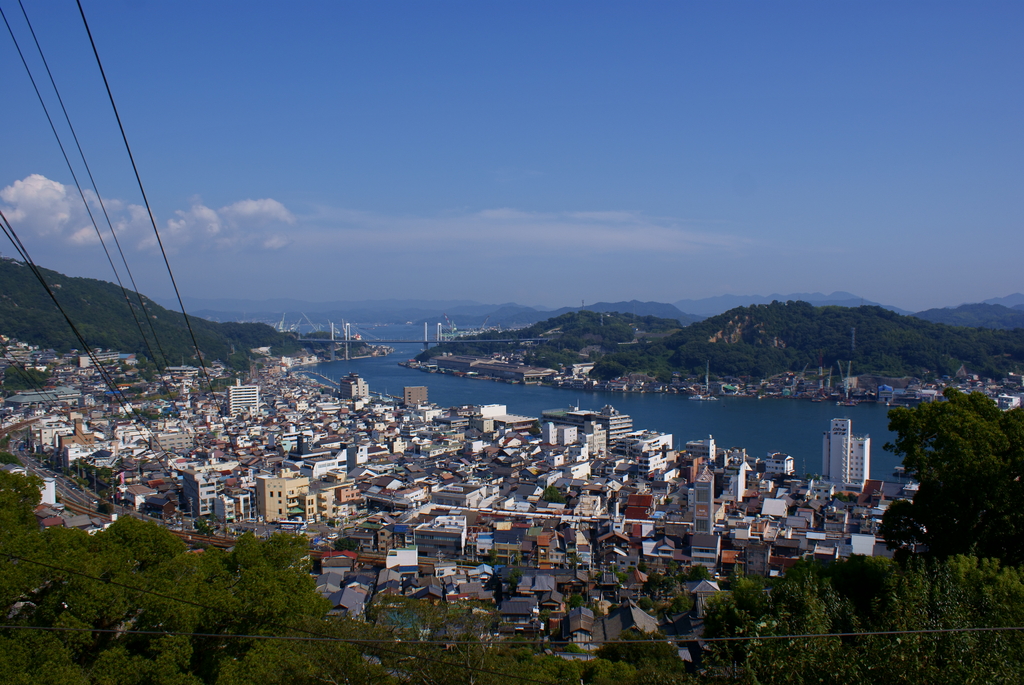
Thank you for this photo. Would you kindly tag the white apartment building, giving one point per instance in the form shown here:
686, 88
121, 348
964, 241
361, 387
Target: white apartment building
845, 457
242, 397
779, 463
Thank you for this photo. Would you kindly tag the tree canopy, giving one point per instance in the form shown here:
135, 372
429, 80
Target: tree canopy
968, 457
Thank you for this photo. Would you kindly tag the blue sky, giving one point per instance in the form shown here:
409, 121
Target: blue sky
543, 153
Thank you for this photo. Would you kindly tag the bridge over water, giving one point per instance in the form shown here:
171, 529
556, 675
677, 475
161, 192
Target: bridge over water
425, 341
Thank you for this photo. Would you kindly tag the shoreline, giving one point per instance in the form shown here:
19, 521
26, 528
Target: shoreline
419, 366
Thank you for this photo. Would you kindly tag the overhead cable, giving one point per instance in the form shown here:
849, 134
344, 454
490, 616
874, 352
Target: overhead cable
12, 235
74, 176
145, 199
99, 198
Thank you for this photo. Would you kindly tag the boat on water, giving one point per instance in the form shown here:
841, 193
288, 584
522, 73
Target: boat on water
705, 394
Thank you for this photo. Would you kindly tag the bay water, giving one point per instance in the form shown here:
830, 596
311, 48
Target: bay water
794, 427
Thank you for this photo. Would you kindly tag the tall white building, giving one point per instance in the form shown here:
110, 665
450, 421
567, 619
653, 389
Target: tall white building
845, 457
241, 397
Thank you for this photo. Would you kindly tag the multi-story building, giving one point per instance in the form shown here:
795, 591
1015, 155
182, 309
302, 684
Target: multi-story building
178, 442
845, 457
614, 423
234, 504
353, 387
283, 496
445, 535
704, 501
242, 398
461, 496
200, 489
414, 396
705, 449
779, 463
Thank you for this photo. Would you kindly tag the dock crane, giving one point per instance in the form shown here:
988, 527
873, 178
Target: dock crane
846, 378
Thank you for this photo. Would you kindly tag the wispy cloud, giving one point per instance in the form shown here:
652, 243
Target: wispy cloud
512, 231
54, 211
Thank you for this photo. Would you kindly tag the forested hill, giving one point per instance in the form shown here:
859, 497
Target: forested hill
574, 337
980, 315
102, 316
763, 340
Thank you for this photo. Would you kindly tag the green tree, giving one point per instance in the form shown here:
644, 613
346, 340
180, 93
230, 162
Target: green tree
16, 378
204, 527
346, 545
553, 495
968, 457
698, 572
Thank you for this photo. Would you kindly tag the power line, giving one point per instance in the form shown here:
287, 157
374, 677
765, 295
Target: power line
484, 643
145, 199
67, 161
99, 198
12, 235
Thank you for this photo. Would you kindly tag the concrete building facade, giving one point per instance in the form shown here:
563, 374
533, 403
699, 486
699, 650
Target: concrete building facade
845, 457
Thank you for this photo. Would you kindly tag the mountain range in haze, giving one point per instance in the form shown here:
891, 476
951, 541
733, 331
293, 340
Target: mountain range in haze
1000, 312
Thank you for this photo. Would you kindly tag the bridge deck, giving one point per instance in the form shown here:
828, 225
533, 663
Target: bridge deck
417, 342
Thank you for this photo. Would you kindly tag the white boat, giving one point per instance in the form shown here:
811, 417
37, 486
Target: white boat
704, 398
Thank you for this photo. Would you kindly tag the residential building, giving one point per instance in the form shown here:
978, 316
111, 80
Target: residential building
445, 535
353, 387
704, 501
243, 398
414, 396
845, 457
282, 497
200, 489
779, 463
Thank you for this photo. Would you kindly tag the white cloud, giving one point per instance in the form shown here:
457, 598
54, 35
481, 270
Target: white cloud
42, 206
49, 209
263, 211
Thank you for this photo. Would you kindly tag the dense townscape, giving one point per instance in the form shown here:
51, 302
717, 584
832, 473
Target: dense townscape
576, 527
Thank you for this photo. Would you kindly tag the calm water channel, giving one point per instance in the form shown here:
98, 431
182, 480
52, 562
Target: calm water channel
791, 426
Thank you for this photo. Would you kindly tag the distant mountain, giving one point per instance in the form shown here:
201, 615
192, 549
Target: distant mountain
102, 316
660, 310
291, 305
1015, 301
712, 306
464, 313
517, 315
977, 316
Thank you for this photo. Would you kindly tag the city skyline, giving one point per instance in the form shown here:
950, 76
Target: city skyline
538, 155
